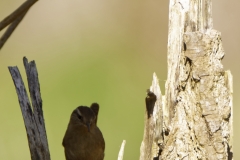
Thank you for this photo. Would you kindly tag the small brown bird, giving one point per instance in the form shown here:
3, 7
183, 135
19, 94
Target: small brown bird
83, 140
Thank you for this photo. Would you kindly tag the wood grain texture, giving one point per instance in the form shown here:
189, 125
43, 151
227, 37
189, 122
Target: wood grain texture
197, 110
152, 137
33, 119
202, 123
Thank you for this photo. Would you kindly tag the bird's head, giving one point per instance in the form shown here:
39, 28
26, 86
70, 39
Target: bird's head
84, 116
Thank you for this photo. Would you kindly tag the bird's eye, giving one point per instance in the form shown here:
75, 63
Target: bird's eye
79, 117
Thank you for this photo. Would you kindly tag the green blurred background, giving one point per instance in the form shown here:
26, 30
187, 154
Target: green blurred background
101, 51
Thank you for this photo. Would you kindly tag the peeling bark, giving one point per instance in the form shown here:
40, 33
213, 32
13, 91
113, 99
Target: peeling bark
196, 113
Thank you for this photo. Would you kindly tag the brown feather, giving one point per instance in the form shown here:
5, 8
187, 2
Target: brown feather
81, 143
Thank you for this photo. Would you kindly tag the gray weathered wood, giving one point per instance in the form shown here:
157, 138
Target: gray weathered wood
197, 110
33, 120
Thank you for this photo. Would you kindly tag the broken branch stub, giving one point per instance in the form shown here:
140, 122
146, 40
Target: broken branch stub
197, 112
33, 119
152, 138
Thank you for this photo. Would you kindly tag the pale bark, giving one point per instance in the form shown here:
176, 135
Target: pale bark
121, 152
152, 138
197, 111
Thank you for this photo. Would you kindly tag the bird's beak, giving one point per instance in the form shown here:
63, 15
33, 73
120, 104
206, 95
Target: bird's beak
88, 126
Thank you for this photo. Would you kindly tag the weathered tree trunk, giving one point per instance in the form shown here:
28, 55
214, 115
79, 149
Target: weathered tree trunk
194, 119
33, 119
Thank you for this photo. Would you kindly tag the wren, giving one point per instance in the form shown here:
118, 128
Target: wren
83, 140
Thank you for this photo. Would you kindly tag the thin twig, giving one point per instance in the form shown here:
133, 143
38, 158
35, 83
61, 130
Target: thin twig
18, 12
121, 152
10, 30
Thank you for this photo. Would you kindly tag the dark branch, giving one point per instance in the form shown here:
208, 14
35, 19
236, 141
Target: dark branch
10, 30
14, 19
18, 12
